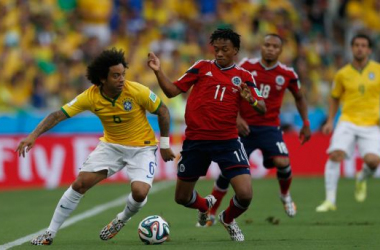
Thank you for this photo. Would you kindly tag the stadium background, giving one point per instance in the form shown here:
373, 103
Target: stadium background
45, 46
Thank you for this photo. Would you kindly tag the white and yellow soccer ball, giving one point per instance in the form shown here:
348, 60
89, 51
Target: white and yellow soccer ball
153, 230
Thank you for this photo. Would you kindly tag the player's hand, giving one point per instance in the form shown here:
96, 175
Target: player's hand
25, 146
153, 62
246, 93
167, 154
327, 128
242, 127
305, 134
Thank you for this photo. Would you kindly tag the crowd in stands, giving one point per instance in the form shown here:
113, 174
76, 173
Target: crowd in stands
45, 45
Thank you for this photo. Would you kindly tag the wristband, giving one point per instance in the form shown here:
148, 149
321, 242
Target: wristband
306, 123
254, 104
164, 142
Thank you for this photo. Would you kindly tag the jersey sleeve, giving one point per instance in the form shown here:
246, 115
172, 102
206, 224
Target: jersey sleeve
250, 81
337, 86
77, 105
294, 82
243, 62
191, 76
148, 100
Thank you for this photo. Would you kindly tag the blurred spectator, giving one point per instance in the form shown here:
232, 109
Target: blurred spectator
45, 44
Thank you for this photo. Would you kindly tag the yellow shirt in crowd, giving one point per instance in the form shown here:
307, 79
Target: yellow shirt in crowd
123, 118
359, 92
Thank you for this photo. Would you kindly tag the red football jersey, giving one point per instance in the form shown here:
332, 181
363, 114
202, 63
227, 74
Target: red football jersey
272, 83
214, 101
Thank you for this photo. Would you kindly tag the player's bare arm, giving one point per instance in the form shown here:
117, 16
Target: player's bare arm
300, 100
47, 123
166, 85
258, 105
333, 109
164, 124
242, 126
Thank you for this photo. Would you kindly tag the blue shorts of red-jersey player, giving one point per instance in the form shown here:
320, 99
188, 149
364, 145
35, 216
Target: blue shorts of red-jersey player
196, 157
269, 140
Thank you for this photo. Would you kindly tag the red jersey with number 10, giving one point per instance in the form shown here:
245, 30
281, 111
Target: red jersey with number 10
272, 83
214, 101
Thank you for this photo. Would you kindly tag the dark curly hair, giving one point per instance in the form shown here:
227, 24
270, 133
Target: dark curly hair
364, 36
98, 69
226, 34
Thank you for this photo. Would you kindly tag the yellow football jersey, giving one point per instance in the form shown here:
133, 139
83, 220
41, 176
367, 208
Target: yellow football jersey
359, 92
123, 118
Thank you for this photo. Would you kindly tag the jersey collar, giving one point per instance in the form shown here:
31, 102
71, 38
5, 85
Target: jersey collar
365, 66
268, 68
113, 101
227, 68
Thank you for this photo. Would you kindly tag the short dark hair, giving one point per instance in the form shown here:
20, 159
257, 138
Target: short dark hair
226, 34
276, 35
362, 36
98, 69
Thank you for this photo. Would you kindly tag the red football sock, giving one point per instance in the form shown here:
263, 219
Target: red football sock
285, 185
233, 211
218, 194
200, 203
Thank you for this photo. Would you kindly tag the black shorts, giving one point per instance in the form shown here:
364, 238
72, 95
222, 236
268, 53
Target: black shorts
196, 157
269, 140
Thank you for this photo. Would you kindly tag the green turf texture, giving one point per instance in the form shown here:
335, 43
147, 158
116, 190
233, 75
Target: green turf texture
353, 226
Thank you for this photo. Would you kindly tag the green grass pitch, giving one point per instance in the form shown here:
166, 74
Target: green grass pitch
353, 226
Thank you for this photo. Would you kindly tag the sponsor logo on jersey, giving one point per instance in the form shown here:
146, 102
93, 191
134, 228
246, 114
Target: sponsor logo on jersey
254, 73
127, 104
72, 102
234, 90
236, 80
152, 96
280, 80
371, 75
209, 73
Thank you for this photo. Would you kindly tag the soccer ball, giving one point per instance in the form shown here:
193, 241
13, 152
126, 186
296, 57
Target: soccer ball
153, 230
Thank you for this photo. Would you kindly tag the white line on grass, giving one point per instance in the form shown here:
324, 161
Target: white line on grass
87, 214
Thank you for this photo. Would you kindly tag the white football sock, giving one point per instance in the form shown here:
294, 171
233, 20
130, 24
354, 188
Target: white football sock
332, 174
131, 208
366, 172
66, 205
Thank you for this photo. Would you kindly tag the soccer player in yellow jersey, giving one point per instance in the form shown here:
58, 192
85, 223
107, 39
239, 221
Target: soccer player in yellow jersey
357, 86
128, 140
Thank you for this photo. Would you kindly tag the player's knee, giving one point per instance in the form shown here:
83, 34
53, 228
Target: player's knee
372, 161
281, 162
79, 186
139, 195
337, 156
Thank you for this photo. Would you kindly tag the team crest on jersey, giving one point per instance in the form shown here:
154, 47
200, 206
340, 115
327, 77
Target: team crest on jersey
371, 75
236, 80
280, 80
128, 104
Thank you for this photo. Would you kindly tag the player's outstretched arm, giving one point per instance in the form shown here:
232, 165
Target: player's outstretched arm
47, 123
164, 124
166, 85
305, 132
258, 105
333, 109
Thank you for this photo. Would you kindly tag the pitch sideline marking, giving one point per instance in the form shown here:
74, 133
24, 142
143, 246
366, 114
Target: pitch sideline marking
87, 214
